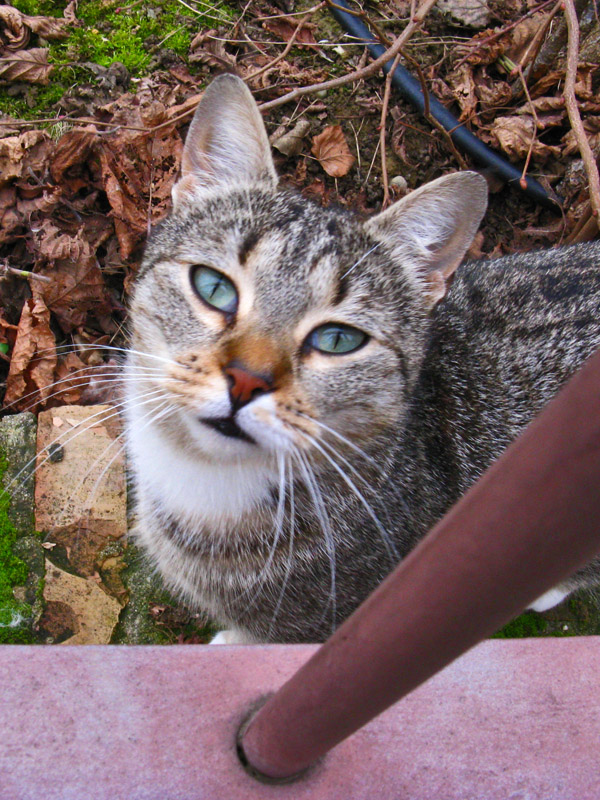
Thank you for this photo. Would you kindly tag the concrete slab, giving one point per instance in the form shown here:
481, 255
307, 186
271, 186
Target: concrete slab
512, 719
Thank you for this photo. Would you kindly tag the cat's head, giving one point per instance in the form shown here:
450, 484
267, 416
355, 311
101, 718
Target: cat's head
273, 323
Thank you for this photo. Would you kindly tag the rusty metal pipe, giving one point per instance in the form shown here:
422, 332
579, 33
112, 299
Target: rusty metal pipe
527, 524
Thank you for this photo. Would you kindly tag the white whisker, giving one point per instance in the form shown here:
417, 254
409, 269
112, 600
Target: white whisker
315, 494
392, 552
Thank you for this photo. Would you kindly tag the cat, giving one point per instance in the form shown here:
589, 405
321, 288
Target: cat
307, 393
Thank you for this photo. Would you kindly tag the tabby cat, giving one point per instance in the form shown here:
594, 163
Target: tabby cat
308, 394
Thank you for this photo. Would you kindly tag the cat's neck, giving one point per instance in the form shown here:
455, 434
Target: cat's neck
204, 492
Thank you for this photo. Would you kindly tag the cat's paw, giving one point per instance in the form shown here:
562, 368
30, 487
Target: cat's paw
549, 599
229, 637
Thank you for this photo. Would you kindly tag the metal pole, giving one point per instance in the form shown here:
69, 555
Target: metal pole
527, 524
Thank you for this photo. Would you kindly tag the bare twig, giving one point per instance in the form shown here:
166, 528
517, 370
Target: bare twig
23, 273
365, 72
384, 111
429, 116
288, 46
536, 123
499, 34
586, 151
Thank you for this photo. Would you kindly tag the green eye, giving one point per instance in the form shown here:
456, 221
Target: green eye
215, 289
336, 339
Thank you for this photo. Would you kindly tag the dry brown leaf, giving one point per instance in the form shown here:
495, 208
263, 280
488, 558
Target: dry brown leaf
72, 148
54, 244
463, 86
292, 142
479, 50
135, 166
30, 149
48, 27
519, 38
69, 12
16, 28
74, 377
591, 126
205, 49
76, 290
285, 28
13, 31
514, 134
34, 357
9, 218
332, 152
26, 65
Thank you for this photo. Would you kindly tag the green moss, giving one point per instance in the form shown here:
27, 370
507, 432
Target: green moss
105, 35
14, 616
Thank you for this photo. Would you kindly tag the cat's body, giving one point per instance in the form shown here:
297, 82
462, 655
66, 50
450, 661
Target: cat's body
279, 480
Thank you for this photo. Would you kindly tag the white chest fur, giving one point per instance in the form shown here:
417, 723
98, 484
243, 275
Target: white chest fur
202, 491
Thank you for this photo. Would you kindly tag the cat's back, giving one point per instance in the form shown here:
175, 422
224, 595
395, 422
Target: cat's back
505, 339
517, 294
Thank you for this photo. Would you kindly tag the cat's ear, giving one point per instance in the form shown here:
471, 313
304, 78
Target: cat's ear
227, 143
431, 229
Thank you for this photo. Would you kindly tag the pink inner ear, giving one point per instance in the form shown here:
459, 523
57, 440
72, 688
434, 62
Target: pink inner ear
436, 286
184, 189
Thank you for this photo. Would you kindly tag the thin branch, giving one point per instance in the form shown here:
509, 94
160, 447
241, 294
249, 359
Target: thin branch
23, 273
384, 111
499, 34
585, 150
536, 125
429, 116
365, 72
288, 46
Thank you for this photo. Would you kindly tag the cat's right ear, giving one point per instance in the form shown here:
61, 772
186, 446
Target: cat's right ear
226, 145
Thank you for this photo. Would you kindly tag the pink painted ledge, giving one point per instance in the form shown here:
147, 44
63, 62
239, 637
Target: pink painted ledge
510, 720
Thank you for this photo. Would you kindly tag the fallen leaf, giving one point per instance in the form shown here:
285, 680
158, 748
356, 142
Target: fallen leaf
514, 134
77, 286
34, 358
30, 149
207, 48
48, 27
481, 49
519, 38
332, 152
462, 83
591, 126
13, 31
26, 65
291, 143
16, 28
71, 149
138, 173
285, 28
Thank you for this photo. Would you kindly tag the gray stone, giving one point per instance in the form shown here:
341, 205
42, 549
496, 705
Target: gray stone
18, 446
471, 13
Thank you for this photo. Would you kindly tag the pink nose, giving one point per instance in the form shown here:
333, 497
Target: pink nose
244, 385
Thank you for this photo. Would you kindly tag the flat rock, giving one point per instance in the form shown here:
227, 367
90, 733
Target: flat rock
471, 13
77, 610
18, 446
80, 492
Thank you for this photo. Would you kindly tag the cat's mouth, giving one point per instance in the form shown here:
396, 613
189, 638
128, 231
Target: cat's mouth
228, 427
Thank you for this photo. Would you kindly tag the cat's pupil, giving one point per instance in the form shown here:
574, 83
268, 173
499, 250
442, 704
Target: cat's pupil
336, 339
215, 289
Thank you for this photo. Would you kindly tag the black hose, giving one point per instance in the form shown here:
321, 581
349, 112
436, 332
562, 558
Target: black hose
410, 88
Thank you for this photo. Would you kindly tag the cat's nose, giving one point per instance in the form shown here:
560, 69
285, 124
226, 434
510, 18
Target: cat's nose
245, 385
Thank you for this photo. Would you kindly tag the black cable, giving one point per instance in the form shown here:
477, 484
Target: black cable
410, 88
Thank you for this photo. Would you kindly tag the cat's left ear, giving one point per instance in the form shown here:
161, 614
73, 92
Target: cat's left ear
226, 145
430, 230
